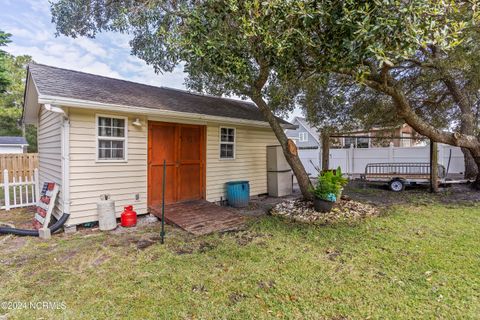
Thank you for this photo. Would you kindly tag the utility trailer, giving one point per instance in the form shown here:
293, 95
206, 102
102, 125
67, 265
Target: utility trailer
400, 174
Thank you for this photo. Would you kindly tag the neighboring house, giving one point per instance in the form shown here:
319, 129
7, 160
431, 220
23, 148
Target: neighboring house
362, 141
13, 145
99, 135
307, 137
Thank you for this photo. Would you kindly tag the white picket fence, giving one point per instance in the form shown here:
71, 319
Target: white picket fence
19, 192
354, 160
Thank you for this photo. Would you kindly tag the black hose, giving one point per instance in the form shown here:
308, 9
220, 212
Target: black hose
34, 233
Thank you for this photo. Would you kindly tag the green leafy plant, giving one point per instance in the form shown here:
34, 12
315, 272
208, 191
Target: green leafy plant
338, 177
329, 185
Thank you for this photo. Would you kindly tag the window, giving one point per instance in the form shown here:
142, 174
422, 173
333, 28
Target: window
361, 142
406, 142
349, 141
111, 138
303, 137
227, 143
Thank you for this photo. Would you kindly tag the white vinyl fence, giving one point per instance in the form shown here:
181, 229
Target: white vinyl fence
309, 156
17, 192
354, 160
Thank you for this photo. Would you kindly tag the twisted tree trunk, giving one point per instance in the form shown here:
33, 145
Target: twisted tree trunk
467, 124
292, 158
471, 168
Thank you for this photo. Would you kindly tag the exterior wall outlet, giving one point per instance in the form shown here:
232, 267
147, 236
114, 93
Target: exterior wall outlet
137, 196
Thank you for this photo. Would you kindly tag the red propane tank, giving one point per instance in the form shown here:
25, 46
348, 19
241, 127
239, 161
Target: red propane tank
128, 217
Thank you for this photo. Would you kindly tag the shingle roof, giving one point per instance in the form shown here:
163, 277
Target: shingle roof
53, 81
13, 140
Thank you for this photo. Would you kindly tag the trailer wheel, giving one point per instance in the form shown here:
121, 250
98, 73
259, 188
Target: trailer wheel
397, 185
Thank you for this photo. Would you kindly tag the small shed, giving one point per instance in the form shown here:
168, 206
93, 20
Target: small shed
99, 135
10, 144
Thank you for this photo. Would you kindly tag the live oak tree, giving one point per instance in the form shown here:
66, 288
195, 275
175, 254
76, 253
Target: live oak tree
382, 44
349, 105
241, 48
271, 51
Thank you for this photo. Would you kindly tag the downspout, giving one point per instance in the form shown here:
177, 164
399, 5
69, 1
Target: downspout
65, 154
66, 162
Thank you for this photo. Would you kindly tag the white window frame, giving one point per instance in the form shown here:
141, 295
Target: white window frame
124, 139
234, 143
303, 137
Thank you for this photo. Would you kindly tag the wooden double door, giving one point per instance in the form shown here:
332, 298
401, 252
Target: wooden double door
183, 148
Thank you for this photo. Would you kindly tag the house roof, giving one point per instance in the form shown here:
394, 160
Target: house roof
57, 82
313, 131
7, 140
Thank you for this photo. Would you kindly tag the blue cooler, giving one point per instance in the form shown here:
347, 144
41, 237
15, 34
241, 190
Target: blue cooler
238, 193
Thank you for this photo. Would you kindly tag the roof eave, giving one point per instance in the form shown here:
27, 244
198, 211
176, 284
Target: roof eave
87, 104
289, 126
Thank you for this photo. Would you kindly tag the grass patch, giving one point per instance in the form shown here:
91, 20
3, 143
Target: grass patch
412, 262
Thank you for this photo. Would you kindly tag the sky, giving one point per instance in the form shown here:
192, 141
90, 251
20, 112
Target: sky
33, 33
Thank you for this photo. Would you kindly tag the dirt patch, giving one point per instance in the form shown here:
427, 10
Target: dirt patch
184, 250
206, 246
19, 261
100, 260
11, 243
193, 247
236, 297
380, 195
68, 256
267, 285
199, 288
144, 243
244, 237
19, 218
121, 241
332, 254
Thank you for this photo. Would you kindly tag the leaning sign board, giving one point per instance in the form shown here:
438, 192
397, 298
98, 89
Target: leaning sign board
45, 205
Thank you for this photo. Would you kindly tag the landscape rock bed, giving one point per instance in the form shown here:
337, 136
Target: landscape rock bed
303, 211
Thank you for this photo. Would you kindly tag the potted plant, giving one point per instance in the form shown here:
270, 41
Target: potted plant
326, 191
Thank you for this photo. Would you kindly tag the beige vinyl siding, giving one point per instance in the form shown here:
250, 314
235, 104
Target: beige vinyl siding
50, 152
89, 178
250, 161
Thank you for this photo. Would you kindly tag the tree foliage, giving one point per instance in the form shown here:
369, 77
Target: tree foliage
228, 47
279, 53
13, 71
4, 81
423, 57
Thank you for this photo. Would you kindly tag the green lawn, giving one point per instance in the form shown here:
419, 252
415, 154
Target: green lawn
411, 262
